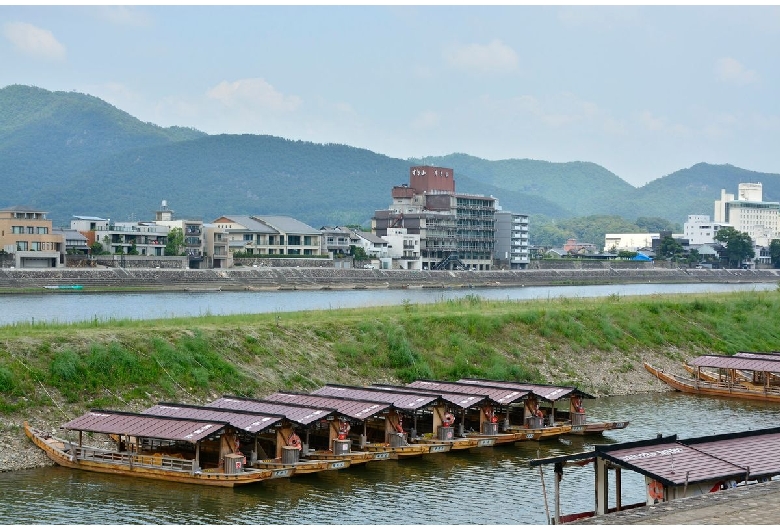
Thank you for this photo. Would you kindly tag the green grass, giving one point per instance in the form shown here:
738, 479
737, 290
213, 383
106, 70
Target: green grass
113, 363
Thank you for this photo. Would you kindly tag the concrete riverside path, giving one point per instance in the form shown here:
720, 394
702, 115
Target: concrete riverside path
746, 505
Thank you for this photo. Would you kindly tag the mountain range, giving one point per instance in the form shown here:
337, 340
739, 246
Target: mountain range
69, 154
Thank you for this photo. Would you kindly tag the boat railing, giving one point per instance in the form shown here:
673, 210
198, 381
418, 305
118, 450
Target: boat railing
730, 386
134, 460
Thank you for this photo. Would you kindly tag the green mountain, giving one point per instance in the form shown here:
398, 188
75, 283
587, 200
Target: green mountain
73, 154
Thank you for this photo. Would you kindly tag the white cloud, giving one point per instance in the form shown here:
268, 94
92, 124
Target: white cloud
33, 41
732, 71
124, 16
254, 94
495, 57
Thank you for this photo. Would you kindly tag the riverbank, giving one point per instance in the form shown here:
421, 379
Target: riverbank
299, 278
50, 373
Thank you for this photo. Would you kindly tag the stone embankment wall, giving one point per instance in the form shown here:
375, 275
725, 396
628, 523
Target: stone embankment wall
271, 278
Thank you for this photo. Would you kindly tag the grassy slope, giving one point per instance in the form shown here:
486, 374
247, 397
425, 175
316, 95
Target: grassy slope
597, 344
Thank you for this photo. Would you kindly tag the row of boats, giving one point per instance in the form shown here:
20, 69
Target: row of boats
235, 441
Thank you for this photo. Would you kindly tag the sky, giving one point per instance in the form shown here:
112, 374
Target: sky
641, 90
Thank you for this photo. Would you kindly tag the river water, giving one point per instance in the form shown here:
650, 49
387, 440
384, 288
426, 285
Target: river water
492, 486
80, 306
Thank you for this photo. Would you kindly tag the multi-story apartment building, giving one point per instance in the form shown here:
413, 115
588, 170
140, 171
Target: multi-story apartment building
454, 229
27, 233
748, 213
192, 229
403, 248
144, 237
511, 248
700, 230
270, 234
216, 248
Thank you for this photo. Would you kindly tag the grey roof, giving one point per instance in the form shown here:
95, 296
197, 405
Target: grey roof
22, 209
371, 238
288, 225
295, 413
455, 398
251, 225
352, 408
251, 422
124, 423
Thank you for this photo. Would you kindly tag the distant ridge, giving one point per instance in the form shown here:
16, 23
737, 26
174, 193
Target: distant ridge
74, 154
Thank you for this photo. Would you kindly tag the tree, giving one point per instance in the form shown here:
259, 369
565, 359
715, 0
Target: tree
133, 250
670, 248
107, 243
358, 253
175, 242
739, 246
774, 253
96, 248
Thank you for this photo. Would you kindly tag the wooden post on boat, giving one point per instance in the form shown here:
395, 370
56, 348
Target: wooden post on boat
618, 487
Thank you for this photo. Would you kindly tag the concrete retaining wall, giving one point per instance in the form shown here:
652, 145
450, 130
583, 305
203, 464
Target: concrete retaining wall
251, 278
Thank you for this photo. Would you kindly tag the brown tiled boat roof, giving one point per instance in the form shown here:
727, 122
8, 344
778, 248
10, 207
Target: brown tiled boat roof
760, 453
409, 401
145, 426
251, 422
457, 399
767, 363
295, 413
502, 396
546, 392
351, 408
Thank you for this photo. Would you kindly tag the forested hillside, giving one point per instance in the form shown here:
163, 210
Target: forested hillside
74, 154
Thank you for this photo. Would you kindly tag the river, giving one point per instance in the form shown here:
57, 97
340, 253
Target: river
492, 486
70, 307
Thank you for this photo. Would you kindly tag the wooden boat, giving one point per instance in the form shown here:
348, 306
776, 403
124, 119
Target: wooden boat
154, 466
729, 388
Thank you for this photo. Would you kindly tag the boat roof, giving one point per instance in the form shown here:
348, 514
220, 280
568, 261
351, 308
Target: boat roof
758, 355
143, 425
763, 364
502, 396
295, 413
406, 399
737, 456
461, 400
356, 409
251, 422
546, 392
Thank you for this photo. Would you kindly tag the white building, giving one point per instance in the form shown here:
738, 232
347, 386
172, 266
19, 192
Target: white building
700, 230
630, 242
749, 213
403, 248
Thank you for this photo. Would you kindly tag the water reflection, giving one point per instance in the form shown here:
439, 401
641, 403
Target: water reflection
490, 486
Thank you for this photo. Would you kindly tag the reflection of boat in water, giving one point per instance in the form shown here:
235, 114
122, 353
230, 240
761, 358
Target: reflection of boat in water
739, 377
155, 463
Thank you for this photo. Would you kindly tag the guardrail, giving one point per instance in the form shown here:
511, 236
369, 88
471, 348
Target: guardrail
134, 460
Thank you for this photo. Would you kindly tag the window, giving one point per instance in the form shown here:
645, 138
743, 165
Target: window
21, 245
17, 230
30, 229
307, 240
294, 240
35, 245
42, 230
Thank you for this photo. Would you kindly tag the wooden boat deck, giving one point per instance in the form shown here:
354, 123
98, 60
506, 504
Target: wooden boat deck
719, 389
160, 467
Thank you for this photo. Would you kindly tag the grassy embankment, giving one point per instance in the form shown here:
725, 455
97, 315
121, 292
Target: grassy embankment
592, 343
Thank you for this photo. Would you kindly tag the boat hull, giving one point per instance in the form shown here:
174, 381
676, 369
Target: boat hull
56, 451
706, 388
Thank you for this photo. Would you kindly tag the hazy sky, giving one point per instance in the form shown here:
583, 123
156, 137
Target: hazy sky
642, 91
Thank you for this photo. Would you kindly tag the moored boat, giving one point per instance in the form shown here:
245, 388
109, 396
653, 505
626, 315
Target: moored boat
157, 465
730, 386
